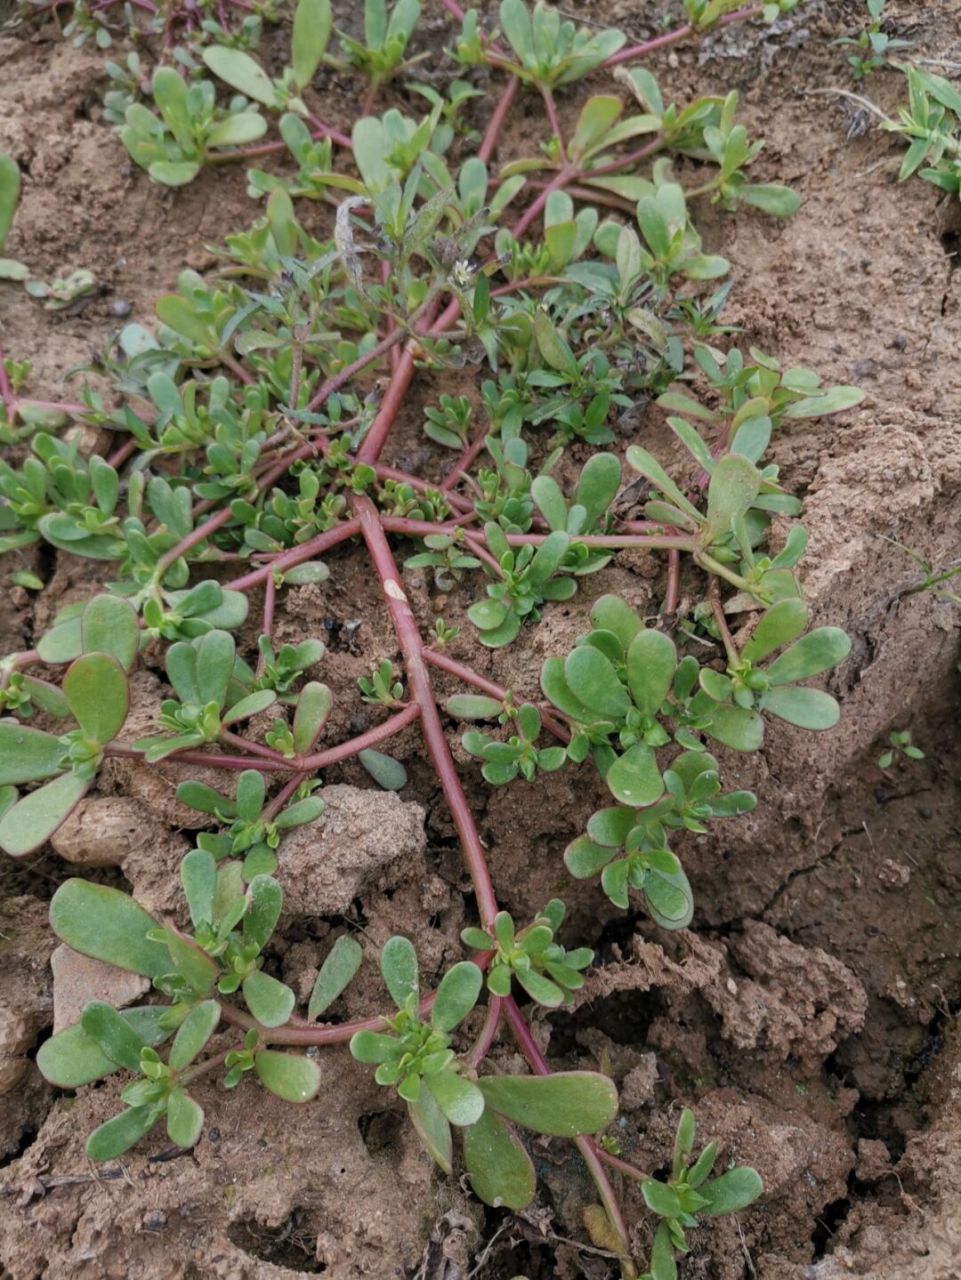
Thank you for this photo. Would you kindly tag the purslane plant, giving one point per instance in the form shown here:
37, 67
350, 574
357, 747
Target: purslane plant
251, 428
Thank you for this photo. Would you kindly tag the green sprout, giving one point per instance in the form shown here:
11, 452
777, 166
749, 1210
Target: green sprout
901, 745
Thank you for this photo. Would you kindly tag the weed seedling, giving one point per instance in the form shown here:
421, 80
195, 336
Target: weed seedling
901, 745
872, 46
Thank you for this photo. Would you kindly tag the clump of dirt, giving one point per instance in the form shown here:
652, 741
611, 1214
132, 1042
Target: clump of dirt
809, 1016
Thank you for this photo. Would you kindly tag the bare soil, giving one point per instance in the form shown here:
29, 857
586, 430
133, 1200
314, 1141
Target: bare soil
809, 1016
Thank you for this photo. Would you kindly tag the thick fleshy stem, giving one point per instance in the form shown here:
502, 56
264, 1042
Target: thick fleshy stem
675, 37
6, 392
412, 648
309, 1035
459, 469
672, 592
551, 108
351, 370
717, 608
283, 795
255, 748
496, 123
296, 555
398, 387
470, 676
487, 1034
589, 1154
560, 180
23, 658
273, 762
622, 1166
467, 674
267, 626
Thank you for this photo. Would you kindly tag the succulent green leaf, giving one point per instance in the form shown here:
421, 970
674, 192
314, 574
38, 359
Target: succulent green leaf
198, 874
300, 812
205, 799
459, 1100
612, 826
669, 899
782, 623
290, 1076
557, 691
736, 727
473, 706
185, 1119
611, 613
312, 23
373, 1047
735, 483
553, 346
385, 770
112, 1034
342, 962
771, 197
832, 400
266, 900
584, 859
486, 615
663, 1262
174, 173
683, 1141
95, 687
500, 1170
32, 821
71, 1058
732, 1191
235, 131
433, 1129
191, 962
108, 624
540, 988
193, 1033
121, 1132
806, 708
270, 1001
548, 557
614, 882
63, 641
215, 653
594, 682
313, 709
818, 651
566, 1104
9, 194
456, 996
398, 964
661, 1199
651, 663
249, 706
108, 925
652, 470
634, 777
27, 755
242, 73
597, 117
